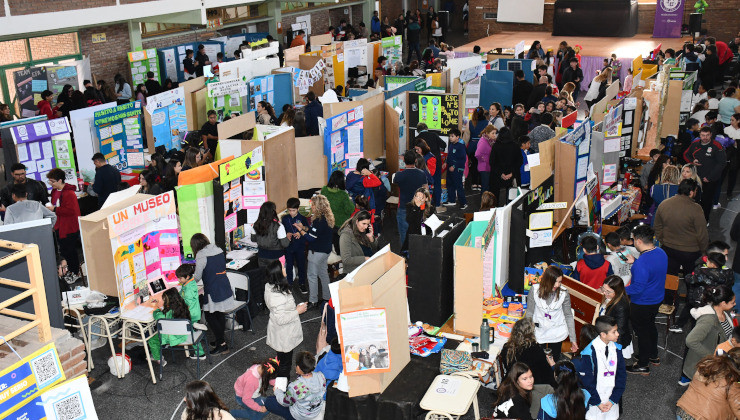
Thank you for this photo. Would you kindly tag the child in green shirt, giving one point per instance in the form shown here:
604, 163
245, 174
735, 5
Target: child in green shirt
173, 307
189, 292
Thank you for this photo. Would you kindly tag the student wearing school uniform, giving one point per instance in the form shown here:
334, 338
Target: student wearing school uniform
295, 253
455, 167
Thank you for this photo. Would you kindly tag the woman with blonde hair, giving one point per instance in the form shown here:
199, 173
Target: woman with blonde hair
665, 188
567, 93
689, 171
417, 210
319, 238
597, 89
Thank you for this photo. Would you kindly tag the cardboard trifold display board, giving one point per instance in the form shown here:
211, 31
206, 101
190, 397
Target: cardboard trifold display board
379, 283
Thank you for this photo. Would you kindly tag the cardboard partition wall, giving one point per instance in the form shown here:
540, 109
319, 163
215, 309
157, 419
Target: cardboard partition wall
309, 153
565, 180
637, 119
468, 280
323, 39
306, 62
197, 113
392, 124
189, 87
96, 246
671, 111
279, 157
380, 283
373, 114
431, 273
538, 174
236, 125
599, 108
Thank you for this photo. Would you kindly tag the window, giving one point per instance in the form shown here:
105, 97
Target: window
153, 29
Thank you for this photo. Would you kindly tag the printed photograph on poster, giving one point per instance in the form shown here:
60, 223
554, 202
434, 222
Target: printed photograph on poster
364, 337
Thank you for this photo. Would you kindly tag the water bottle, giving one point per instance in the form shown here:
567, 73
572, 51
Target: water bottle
485, 335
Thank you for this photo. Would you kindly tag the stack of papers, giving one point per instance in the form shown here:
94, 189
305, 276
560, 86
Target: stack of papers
236, 264
240, 254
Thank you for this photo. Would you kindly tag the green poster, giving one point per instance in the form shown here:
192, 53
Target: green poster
430, 109
141, 63
195, 208
64, 157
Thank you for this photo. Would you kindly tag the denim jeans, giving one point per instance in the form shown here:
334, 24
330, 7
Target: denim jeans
244, 412
455, 189
274, 407
484, 181
403, 225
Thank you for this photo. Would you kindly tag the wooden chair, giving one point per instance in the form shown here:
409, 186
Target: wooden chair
671, 283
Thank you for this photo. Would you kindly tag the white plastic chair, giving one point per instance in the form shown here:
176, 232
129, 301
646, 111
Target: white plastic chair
238, 281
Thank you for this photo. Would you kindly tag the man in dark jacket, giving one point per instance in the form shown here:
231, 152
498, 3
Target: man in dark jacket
36, 191
201, 60
573, 74
522, 89
538, 92
436, 146
107, 178
152, 85
710, 158
313, 111
506, 160
413, 32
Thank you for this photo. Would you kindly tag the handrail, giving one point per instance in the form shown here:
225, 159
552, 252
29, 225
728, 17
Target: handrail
34, 289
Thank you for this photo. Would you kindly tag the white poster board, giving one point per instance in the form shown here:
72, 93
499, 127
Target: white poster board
85, 137
521, 11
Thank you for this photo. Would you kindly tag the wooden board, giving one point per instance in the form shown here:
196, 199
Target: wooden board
197, 109
672, 110
373, 120
565, 177
323, 39
189, 87
236, 125
310, 162
585, 302
306, 62
278, 154
391, 139
540, 173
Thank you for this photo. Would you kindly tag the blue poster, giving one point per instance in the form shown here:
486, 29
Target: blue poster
120, 135
169, 120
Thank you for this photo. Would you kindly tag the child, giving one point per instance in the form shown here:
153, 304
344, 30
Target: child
712, 273
319, 247
617, 257
250, 388
269, 235
362, 203
568, 401
303, 398
524, 144
726, 346
202, 403
604, 375
189, 293
330, 363
455, 167
417, 211
592, 269
173, 307
296, 251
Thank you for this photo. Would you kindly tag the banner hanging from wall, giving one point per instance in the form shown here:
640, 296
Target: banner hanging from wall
668, 19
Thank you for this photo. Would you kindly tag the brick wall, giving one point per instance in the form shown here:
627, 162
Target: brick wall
357, 17
72, 355
110, 57
721, 19
29, 7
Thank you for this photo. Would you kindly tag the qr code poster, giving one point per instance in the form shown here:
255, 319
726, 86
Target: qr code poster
28, 378
70, 401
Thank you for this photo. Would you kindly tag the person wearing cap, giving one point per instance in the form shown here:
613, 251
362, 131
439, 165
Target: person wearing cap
201, 59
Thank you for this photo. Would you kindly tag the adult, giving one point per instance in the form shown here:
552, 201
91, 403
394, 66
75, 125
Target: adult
413, 35
36, 191
64, 204
548, 305
123, 89
597, 88
710, 158
522, 88
646, 292
193, 158
284, 332
148, 183
616, 304
356, 240
709, 67
210, 272
152, 84
313, 110
107, 178
514, 395
431, 15
265, 113
64, 101
209, 134
188, 64
483, 155
714, 392
201, 60
728, 105
409, 180
298, 39
436, 146
506, 161
667, 188
535, 51
542, 132
339, 201
713, 326
24, 210
475, 126
573, 74
495, 115
733, 130
374, 23
523, 347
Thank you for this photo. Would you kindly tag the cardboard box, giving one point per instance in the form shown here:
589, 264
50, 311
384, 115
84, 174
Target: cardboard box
379, 283
469, 280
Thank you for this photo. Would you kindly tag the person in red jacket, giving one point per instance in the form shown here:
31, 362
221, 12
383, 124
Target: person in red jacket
592, 269
45, 108
64, 204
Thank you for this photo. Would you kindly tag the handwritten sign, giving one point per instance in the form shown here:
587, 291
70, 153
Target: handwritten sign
141, 213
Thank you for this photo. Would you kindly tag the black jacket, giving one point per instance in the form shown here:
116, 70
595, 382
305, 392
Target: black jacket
506, 158
520, 409
538, 92
36, 190
152, 87
621, 312
704, 277
570, 75
435, 143
534, 357
735, 236
313, 111
106, 182
414, 218
522, 90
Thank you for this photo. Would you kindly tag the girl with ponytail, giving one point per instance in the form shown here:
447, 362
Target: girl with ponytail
251, 387
713, 326
569, 401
